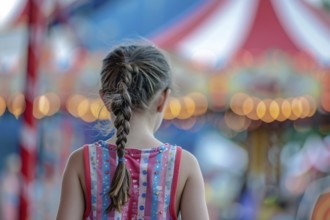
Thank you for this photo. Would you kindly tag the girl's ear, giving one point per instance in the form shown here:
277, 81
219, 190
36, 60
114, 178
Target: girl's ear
162, 101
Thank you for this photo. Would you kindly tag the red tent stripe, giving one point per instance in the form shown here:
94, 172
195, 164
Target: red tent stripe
266, 23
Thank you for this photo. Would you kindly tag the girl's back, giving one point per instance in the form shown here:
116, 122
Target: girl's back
111, 180
94, 165
154, 174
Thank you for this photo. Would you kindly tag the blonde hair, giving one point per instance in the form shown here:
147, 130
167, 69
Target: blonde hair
131, 75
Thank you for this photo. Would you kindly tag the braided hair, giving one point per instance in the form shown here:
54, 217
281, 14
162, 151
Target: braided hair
131, 75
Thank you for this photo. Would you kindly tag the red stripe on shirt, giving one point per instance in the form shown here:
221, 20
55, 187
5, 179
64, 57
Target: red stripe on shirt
87, 181
175, 182
99, 174
133, 163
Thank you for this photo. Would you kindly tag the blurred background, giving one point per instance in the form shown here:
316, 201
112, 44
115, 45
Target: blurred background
251, 97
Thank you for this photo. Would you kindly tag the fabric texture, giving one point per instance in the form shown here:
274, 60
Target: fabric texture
154, 173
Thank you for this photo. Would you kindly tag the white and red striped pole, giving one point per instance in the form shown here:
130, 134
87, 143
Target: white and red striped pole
28, 142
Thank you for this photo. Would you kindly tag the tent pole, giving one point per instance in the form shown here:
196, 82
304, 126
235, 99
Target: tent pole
29, 137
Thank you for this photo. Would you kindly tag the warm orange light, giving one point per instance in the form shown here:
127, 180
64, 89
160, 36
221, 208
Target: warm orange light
267, 117
43, 105
167, 113
83, 107
55, 103
236, 103
188, 108
253, 113
248, 105
175, 106
88, 116
286, 108
280, 116
104, 114
312, 105
274, 109
73, 103
261, 109
305, 107
99, 110
2, 105
201, 103
85, 110
296, 107
190, 105
16, 104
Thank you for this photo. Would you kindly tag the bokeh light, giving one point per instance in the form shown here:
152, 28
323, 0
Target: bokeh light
274, 110
73, 103
2, 105
286, 108
16, 104
175, 106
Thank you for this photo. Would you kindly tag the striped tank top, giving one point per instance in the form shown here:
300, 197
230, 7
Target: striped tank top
154, 173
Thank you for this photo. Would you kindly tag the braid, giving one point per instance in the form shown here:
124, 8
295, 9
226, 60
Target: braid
121, 107
131, 76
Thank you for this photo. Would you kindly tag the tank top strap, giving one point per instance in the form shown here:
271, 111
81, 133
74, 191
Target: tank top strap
99, 164
175, 181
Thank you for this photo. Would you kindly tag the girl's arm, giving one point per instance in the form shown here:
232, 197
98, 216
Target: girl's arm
72, 203
193, 203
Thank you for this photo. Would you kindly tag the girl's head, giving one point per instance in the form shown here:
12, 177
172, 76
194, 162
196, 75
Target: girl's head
131, 76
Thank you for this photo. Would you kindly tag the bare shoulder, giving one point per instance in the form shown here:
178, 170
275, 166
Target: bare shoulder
192, 201
186, 155
76, 161
72, 193
189, 163
77, 154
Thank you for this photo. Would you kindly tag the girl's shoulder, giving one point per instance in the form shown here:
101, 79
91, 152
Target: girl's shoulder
189, 163
76, 157
75, 163
188, 155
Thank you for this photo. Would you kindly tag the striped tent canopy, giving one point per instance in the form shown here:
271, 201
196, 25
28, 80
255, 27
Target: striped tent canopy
217, 31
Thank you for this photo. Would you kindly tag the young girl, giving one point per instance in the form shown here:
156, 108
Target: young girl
133, 175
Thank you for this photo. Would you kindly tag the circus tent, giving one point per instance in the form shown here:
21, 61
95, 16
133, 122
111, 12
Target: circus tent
219, 30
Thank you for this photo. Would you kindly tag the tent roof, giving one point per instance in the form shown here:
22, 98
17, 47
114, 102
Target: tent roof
267, 32
219, 30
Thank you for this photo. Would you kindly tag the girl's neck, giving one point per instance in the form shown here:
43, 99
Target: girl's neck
141, 135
